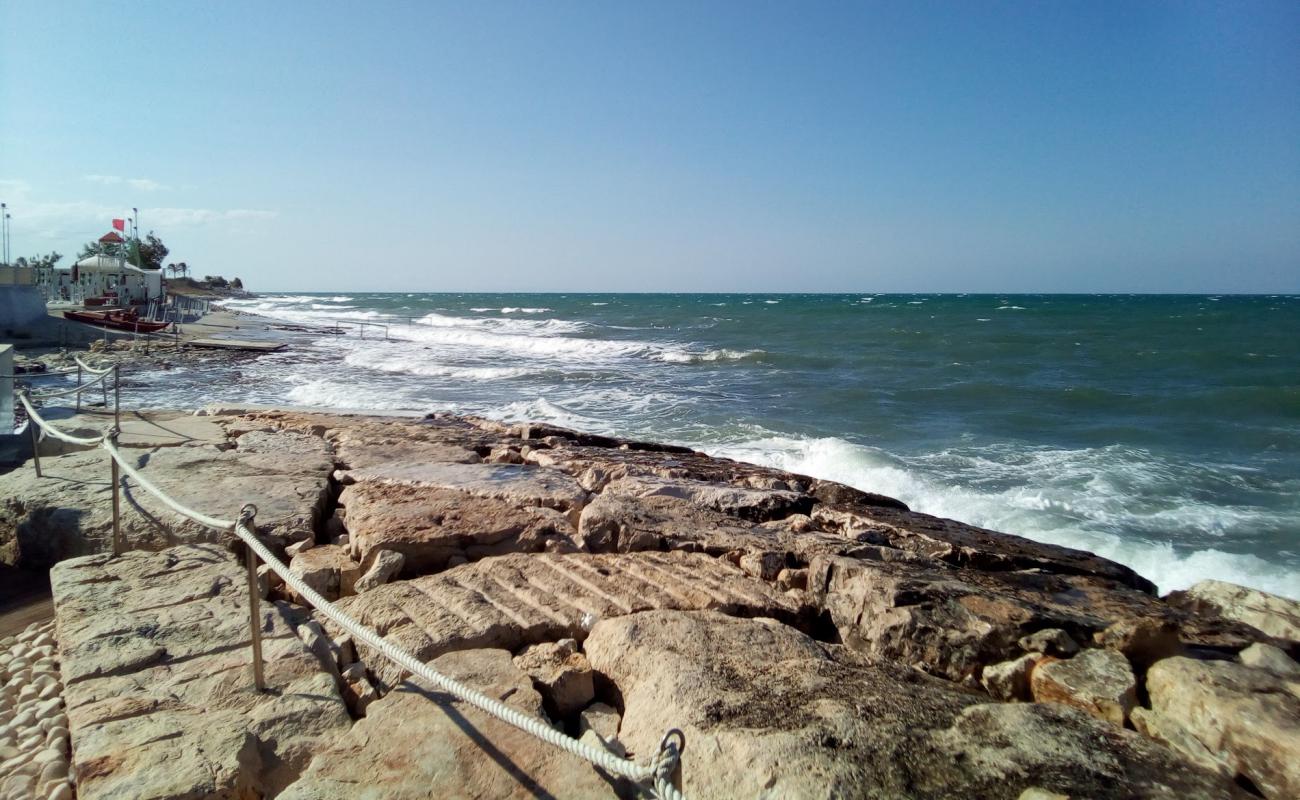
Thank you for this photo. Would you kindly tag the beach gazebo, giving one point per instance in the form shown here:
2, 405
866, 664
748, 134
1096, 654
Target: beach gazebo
99, 274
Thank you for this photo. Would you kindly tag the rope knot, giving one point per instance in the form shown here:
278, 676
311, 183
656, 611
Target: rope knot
665, 763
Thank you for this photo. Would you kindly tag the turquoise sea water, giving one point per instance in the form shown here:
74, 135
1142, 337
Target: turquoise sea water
1161, 431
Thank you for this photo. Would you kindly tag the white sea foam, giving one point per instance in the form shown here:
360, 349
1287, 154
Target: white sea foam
1068, 498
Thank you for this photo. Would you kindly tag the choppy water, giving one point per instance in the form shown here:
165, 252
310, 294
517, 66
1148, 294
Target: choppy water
1160, 431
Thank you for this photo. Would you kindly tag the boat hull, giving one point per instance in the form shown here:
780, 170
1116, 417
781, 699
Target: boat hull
115, 321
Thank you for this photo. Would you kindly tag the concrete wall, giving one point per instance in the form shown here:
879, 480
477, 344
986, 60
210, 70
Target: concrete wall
6, 389
20, 307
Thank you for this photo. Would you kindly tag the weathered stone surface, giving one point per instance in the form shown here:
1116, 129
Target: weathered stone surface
1142, 641
964, 545
756, 505
1243, 716
429, 526
779, 715
517, 485
561, 674
417, 743
155, 654
951, 622
1267, 657
1161, 728
1009, 680
328, 569
1050, 641
1273, 615
382, 567
511, 601
1099, 682
598, 726
68, 512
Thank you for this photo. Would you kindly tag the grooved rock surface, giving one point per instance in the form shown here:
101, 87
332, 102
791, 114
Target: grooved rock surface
418, 743
156, 665
768, 712
1245, 717
510, 601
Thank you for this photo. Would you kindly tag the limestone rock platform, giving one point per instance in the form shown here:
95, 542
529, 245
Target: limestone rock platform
810, 639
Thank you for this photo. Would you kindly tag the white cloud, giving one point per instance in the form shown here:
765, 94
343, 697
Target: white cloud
77, 220
140, 184
144, 184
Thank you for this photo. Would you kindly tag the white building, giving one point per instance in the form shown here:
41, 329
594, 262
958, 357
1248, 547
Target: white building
101, 276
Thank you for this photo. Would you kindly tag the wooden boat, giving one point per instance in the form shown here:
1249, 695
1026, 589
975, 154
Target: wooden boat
124, 320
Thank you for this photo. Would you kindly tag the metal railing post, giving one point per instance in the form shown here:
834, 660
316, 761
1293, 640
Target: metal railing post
36, 445
117, 397
246, 516
78, 394
103, 386
117, 499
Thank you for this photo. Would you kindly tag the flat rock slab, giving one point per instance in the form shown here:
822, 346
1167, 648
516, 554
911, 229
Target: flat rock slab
158, 686
509, 601
768, 712
68, 511
517, 484
418, 743
429, 525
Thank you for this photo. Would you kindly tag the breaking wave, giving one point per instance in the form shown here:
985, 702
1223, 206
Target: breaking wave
1119, 503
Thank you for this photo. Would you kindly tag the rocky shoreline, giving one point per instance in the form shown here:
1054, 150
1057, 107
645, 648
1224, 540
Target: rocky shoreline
809, 639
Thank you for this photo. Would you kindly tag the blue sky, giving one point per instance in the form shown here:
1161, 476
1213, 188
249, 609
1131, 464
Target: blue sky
904, 146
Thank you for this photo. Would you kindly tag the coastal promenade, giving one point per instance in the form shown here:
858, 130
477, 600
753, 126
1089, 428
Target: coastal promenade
806, 638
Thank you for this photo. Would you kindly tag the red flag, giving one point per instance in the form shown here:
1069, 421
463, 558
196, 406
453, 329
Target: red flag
120, 224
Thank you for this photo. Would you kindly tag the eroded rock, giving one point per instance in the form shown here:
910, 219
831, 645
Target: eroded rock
327, 569
561, 674
429, 526
1099, 682
1245, 717
781, 715
1273, 615
417, 743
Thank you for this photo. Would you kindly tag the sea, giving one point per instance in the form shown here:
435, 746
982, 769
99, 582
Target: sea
1161, 431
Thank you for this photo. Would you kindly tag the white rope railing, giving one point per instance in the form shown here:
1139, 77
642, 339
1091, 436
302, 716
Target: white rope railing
658, 772
48, 429
81, 387
91, 369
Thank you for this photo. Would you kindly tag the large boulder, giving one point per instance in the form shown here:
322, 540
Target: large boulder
1099, 682
156, 662
769, 712
1275, 616
1245, 717
418, 743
